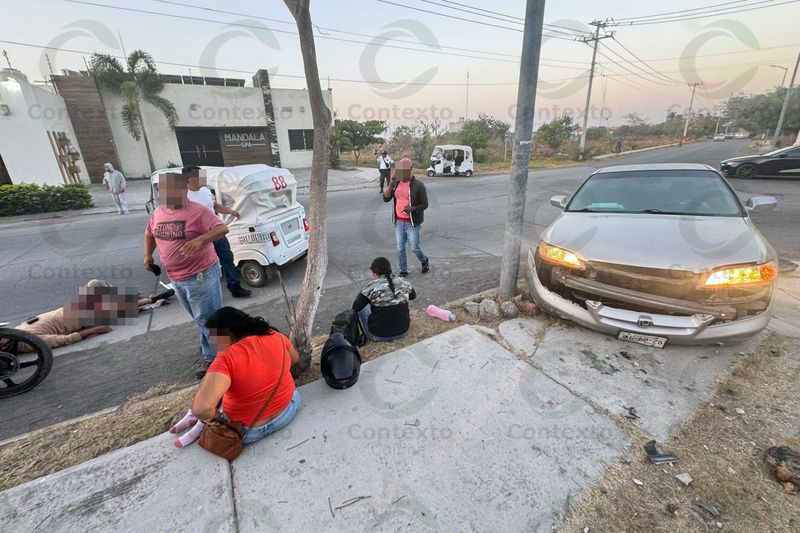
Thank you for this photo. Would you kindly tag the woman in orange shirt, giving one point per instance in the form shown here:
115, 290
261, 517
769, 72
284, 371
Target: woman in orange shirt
253, 360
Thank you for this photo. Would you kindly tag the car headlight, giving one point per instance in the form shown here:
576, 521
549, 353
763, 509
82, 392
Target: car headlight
744, 276
730, 163
560, 256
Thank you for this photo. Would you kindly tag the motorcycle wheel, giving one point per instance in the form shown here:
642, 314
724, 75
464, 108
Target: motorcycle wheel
22, 371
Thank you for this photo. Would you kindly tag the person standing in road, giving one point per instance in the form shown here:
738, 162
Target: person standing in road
618, 146
115, 183
384, 167
200, 192
183, 231
410, 202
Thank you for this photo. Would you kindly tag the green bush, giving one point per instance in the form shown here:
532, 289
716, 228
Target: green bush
26, 198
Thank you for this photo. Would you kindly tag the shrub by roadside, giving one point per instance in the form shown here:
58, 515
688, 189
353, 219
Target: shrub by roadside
26, 198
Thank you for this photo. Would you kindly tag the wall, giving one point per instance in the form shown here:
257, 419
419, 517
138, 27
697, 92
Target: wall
197, 106
293, 111
24, 144
89, 119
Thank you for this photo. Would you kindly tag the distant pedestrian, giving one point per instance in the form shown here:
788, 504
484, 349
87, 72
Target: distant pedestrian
202, 194
115, 182
384, 167
183, 232
618, 147
410, 202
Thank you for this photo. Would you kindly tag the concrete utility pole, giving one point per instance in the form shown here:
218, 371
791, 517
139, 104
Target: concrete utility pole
689, 113
785, 103
596, 38
521, 153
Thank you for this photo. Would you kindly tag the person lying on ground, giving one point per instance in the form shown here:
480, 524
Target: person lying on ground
97, 306
382, 305
252, 365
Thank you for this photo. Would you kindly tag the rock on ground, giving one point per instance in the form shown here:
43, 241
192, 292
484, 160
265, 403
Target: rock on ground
509, 310
472, 308
489, 310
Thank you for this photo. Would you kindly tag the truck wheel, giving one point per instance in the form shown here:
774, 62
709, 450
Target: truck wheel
468, 173
431, 173
253, 274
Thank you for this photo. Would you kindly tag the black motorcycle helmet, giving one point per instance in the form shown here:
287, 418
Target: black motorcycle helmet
340, 362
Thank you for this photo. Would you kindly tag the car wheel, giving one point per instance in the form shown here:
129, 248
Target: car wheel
468, 173
253, 274
745, 171
431, 173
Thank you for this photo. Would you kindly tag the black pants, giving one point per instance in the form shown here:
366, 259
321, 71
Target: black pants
385, 172
229, 270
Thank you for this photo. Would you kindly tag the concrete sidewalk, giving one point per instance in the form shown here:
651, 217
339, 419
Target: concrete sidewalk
474, 429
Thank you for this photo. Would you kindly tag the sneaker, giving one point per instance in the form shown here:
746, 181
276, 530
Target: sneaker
201, 370
403, 274
426, 266
241, 292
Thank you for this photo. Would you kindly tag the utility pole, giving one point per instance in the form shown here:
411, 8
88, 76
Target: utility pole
785, 103
521, 152
596, 38
466, 110
689, 113
716, 130
785, 72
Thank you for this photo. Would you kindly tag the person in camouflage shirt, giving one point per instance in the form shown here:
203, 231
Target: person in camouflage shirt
382, 305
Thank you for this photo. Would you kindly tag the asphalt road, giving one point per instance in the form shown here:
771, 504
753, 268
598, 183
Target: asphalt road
42, 262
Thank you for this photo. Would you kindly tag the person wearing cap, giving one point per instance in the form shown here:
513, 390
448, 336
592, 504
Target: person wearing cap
115, 183
410, 202
384, 167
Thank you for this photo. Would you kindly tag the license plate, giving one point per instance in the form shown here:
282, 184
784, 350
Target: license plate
255, 238
646, 340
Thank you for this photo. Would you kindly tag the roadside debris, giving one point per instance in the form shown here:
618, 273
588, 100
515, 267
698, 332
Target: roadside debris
685, 478
638, 482
657, 457
707, 506
739, 411
783, 464
632, 414
351, 501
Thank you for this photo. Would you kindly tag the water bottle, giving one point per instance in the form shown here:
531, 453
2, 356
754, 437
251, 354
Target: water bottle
441, 314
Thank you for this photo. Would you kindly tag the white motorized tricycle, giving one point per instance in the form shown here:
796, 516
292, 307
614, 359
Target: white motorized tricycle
272, 229
451, 159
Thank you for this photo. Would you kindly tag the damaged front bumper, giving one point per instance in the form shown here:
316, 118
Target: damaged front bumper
704, 325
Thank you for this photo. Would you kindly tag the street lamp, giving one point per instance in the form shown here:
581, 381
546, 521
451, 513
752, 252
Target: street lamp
785, 72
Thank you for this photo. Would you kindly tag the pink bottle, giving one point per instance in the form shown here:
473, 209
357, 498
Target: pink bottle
441, 314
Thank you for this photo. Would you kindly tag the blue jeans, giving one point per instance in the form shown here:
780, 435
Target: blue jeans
363, 317
201, 295
404, 233
225, 254
279, 422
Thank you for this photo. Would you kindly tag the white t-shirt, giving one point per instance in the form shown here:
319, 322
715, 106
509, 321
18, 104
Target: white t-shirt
202, 196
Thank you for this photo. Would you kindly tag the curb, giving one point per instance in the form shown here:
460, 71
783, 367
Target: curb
609, 156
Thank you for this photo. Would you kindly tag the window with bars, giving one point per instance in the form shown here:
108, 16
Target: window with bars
301, 140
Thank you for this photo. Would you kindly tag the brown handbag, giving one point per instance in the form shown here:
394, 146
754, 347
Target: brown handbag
224, 438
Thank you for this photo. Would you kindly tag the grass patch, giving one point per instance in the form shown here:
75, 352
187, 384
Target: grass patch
711, 441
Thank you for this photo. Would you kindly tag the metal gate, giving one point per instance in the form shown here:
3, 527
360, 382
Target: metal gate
200, 147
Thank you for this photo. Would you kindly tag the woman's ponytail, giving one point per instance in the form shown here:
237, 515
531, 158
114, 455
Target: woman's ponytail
382, 267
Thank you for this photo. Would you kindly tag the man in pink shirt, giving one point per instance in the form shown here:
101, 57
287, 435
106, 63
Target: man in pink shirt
183, 232
410, 202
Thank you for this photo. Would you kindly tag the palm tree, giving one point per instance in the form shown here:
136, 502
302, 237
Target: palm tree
138, 81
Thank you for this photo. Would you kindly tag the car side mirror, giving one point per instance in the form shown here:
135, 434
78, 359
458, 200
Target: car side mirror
559, 201
760, 203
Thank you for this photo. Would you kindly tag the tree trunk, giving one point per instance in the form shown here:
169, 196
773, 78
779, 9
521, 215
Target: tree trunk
146, 141
317, 261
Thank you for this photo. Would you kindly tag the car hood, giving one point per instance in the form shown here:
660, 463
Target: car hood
690, 243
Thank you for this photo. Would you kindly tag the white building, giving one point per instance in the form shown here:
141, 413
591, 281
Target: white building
37, 140
220, 122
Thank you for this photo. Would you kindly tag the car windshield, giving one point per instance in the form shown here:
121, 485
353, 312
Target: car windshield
673, 192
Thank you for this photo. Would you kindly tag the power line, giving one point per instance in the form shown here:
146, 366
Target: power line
704, 15
680, 11
657, 73
335, 30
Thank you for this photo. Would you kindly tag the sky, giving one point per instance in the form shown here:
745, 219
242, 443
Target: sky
404, 60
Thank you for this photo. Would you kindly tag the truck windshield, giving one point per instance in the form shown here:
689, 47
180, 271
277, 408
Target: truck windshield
685, 192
